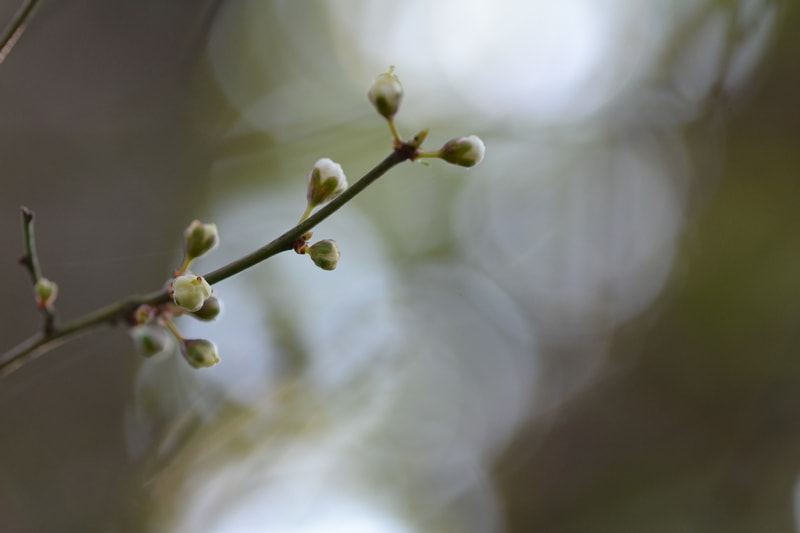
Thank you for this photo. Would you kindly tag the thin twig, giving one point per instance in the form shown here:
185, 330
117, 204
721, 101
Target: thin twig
31, 263
15, 28
122, 311
31, 259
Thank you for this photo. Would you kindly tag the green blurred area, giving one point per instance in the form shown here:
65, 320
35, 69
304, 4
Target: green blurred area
701, 430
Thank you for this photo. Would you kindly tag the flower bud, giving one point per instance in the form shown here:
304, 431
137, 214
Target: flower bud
211, 309
325, 254
190, 291
325, 182
464, 151
386, 93
199, 239
149, 340
45, 292
200, 353
144, 314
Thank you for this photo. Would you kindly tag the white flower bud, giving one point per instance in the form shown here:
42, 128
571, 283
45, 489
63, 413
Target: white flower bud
464, 151
211, 309
199, 239
386, 93
199, 353
144, 314
45, 292
190, 291
149, 340
325, 254
325, 182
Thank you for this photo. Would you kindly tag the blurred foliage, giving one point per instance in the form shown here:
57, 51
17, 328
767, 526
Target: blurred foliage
700, 432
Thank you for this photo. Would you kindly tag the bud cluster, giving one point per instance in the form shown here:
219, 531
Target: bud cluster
192, 294
386, 93
189, 294
326, 181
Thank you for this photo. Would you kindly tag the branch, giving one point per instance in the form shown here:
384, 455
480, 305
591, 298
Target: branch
31, 259
123, 310
15, 28
31, 263
286, 241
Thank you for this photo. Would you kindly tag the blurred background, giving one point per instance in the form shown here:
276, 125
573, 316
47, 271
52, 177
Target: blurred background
596, 329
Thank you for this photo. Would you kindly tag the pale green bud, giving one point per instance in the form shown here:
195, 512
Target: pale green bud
211, 309
464, 151
190, 291
149, 340
325, 182
200, 353
144, 314
199, 239
386, 93
325, 254
45, 292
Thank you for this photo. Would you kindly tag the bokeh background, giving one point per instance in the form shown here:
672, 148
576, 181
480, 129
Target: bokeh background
596, 329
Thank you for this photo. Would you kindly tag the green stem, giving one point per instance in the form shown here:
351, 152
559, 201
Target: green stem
395, 134
171, 326
122, 310
306, 213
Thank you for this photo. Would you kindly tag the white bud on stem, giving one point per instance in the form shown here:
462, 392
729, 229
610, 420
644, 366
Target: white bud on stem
190, 291
210, 310
149, 340
325, 254
326, 181
464, 151
199, 239
386, 93
199, 353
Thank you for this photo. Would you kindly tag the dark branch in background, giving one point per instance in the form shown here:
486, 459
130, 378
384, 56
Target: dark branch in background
16, 27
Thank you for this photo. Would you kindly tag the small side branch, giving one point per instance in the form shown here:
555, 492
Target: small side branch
44, 290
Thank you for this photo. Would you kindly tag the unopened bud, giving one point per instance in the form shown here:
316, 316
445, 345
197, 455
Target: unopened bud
45, 292
325, 182
386, 93
325, 254
464, 151
190, 291
149, 340
144, 314
199, 239
200, 353
211, 309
